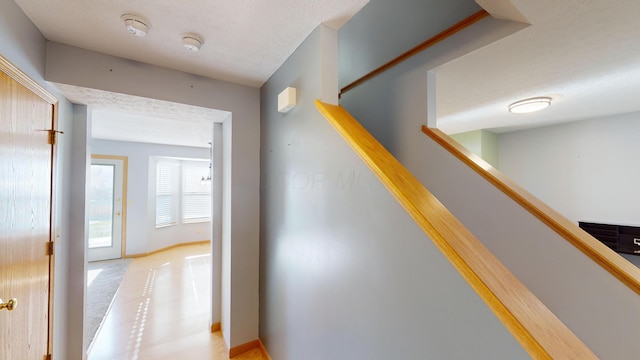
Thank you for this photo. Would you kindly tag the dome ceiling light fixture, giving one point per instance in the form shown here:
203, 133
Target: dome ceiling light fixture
192, 42
135, 24
530, 105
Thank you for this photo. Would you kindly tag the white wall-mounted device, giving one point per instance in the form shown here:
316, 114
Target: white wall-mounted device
287, 99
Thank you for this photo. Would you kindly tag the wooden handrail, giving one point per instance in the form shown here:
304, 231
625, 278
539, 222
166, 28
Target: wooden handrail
535, 327
481, 14
626, 272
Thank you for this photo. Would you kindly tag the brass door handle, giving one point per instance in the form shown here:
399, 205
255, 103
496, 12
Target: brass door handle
9, 305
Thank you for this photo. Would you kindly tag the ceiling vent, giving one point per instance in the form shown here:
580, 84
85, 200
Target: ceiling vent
136, 25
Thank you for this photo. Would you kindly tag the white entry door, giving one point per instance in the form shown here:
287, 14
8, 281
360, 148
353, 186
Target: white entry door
107, 207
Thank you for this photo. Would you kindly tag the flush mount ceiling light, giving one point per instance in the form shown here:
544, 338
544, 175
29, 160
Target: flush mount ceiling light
530, 105
192, 42
135, 24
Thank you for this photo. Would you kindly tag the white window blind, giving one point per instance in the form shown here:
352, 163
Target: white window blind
196, 195
167, 189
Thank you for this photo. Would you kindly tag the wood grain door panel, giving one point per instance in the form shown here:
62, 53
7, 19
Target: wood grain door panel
25, 220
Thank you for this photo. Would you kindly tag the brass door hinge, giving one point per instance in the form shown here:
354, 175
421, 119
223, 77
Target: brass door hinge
49, 248
48, 357
53, 136
52, 139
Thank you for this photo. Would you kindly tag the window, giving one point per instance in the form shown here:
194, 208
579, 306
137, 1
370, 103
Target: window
196, 194
167, 188
181, 195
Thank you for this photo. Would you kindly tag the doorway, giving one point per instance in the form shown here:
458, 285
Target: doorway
106, 241
107, 207
138, 147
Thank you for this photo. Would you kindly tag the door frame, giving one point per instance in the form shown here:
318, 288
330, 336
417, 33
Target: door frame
54, 232
125, 176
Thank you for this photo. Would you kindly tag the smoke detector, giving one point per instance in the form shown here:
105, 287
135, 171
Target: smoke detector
136, 25
192, 42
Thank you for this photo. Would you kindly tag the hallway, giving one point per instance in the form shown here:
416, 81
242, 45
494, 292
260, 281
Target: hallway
161, 311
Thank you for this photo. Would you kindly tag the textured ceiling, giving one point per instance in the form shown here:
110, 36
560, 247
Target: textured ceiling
583, 54
245, 41
137, 119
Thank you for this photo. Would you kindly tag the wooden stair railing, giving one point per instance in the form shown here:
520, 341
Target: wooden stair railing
623, 270
455, 28
535, 327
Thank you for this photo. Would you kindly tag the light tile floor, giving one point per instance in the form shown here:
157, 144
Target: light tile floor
161, 311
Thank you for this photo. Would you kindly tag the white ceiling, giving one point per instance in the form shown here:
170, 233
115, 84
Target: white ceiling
582, 53
585, 54
245, 42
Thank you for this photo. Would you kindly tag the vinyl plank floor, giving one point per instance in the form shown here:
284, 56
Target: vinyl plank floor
161, 311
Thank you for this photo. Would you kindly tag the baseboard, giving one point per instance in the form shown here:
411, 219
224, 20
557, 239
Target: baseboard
216, 327
241, 349
263, 350
251, 345
201, 242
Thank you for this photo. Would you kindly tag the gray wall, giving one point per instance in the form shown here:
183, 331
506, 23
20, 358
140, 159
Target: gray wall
398, 26
393, 105
587, 170
23, 45
142, 236
78, 231
598, 308
345, 272
74, 66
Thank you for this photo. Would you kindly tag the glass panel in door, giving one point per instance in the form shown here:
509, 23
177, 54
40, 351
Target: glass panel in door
106, 209
101, 206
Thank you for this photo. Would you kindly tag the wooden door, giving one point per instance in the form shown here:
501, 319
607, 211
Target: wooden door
25, 220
